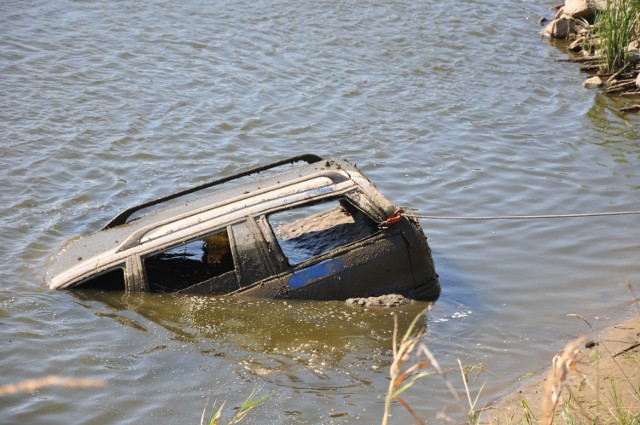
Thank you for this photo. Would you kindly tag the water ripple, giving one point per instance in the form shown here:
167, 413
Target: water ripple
448, 108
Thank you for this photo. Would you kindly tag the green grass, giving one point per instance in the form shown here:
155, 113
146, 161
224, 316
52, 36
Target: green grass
249, 404
618, 412
617, 25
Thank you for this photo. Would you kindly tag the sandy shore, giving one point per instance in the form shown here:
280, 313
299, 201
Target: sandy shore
605, 375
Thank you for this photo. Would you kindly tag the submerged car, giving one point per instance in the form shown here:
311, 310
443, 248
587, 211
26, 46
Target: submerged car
302, 228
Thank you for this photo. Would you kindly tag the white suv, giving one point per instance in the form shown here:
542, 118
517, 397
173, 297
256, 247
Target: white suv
310, 231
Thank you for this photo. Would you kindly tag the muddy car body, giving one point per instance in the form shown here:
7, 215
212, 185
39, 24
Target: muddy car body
305, 231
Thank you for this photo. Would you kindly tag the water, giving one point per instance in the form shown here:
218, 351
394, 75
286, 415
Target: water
450, 108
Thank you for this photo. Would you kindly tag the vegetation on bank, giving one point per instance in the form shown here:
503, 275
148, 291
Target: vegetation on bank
605, 36
580, 387
618, 25
592, 381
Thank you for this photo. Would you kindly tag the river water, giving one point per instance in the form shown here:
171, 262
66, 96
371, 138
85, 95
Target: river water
451, 108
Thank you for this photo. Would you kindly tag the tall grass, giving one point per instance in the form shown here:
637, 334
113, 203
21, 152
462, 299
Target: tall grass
562, 401
617, 24
412, 361
404, 370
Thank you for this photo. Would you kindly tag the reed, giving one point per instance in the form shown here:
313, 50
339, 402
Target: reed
617, 26
412, 360
403, 373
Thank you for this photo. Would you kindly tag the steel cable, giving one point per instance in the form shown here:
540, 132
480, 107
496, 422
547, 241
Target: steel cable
518, 217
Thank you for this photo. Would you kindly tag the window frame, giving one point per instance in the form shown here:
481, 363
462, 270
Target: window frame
273, 238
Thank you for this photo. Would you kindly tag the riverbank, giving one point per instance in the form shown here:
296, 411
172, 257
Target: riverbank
596, 377
604, 42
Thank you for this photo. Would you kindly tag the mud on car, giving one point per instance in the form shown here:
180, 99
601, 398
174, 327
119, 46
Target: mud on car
304, 227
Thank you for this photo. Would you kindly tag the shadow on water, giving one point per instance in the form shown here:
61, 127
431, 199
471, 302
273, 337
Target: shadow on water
614, 130
617, 134
306, 344
456, 287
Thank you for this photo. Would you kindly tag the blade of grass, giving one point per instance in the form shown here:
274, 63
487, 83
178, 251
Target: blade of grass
411, 411
248, 405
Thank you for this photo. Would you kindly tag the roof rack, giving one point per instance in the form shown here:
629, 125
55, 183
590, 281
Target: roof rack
124, 215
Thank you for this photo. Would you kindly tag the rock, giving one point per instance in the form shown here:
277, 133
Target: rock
633, 50
583, 8
559, 28
591, 343
390, 300
593, 83
638, 81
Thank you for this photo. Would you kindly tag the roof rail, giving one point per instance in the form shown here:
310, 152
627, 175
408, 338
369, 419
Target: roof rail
124, 215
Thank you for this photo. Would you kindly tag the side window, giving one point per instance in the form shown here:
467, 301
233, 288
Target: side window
190, 263
112, 280
311, 230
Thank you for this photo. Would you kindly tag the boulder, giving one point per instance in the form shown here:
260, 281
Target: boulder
583, 8
633, 50
559, 28
593, 83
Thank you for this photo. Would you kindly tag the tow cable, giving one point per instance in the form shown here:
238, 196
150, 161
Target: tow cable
400, 212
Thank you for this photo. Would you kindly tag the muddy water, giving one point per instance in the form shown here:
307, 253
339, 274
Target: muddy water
450, 108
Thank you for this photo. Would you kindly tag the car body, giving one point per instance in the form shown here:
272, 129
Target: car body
284, 230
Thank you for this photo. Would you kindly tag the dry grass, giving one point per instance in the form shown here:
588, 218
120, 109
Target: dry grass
569, 396
561, 365
412, 361
31, 385
402, 373
608, 408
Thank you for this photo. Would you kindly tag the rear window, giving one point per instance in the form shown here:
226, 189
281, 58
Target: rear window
190, 263
315, 229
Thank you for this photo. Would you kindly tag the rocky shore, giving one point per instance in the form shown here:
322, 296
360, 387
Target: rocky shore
574, 22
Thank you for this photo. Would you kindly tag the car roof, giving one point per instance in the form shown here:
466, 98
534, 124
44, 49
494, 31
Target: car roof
212, 205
